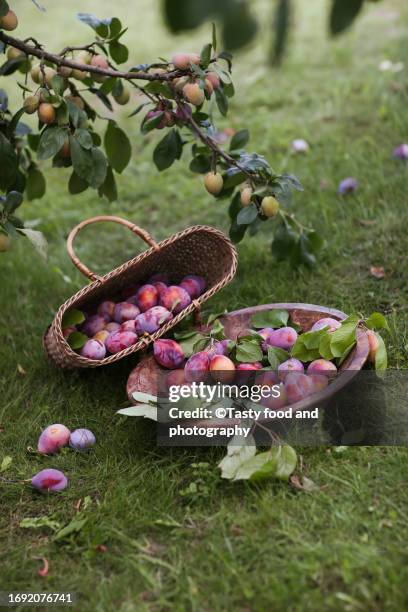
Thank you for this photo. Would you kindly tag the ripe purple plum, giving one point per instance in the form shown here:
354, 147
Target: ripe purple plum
53, 438
194, 285
94, 349
218, 348
120, 340
106, 310
347, 186
268, 378
82, 439
129, 326
283, 338
245, 372
320, 381
168, 353
222, 369
290, 365
124, 311
197, 367
332, 324
401, 152
150, 321
322, 366
147, 297
160, 287
112, 327
175, 299
298, 386
265, 333
93, 325
49, 480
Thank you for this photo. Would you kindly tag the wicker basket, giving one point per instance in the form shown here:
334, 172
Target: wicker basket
198, 250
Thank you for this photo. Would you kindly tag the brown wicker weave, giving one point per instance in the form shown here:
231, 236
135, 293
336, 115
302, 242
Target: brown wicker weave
198, 250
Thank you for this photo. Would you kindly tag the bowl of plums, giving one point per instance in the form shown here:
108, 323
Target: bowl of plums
310, 352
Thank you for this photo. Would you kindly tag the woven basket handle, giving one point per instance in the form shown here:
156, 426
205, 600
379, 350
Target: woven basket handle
134, 228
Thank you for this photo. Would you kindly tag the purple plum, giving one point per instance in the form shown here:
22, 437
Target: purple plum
49, 480
94, 349
298, 386
106, 310
168, 353
112, 327
129, 326
151, 320
347, 186
160, 277
290, 365
194, 285
332, 324
53, 438
147, 297
218, 348
124, 311
93, 325
197, 367
175, 299
81, 439
283, 338
401, 152
119, 341
322, 366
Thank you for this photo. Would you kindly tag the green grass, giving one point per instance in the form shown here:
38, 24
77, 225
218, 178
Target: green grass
232, 546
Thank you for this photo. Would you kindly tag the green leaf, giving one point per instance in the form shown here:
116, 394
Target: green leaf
239, 140
237, 232
108, 188
247, 214
8, 163
324, 347
142, 410
4, 8
76, 340
76, 184
376, 321
73, 527
276, 356
344, 336
144, 398
222, 101
343, 13
115, 27
72, 317
248, 351
84, 138
270, 318
214, 37
13, 200
284, 243
118, 52
5, 464
99, 25
205, 56
82, 160
279, 462
239, 452
287, 460
117, 147
39, 522
36, 184
38, 240
200, 164
99, 168
189, 344
381, 360
51, 141
168, 150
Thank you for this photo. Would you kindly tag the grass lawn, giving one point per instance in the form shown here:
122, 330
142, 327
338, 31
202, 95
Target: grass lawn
230, 546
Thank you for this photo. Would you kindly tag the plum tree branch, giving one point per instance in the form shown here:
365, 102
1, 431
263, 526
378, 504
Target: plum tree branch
58, 60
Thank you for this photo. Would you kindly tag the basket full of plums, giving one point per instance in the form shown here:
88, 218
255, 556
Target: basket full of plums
125, 310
